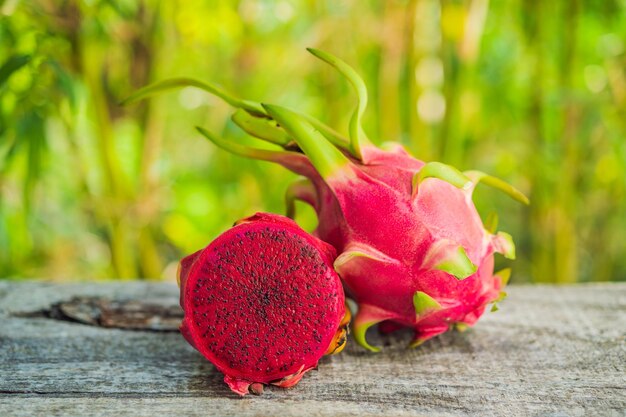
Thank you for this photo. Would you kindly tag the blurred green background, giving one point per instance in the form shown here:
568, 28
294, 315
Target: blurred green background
531, 91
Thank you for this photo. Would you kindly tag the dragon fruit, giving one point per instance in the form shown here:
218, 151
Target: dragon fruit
413, 251
263, 303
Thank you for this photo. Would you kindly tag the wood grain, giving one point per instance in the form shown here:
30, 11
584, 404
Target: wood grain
549, 351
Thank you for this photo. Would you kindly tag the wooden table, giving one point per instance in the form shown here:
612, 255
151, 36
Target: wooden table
549, 351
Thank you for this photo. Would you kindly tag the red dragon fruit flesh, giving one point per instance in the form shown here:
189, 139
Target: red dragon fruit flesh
413, 250
263, 303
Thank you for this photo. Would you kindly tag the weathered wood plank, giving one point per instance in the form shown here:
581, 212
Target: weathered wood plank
548, 351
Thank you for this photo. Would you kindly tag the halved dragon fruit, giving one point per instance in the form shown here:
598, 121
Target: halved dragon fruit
263, 303
413, 250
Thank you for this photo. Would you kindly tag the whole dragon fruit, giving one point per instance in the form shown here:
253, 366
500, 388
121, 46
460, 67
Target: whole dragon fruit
263, 303
413, 251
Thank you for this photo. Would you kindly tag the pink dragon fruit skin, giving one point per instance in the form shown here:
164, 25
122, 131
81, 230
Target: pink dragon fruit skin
417, 258
413, 251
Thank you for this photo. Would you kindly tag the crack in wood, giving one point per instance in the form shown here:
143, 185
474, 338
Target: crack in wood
115, 394
113, 314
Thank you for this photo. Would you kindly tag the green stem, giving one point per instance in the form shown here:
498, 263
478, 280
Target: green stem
250, 106
497, 183
293, 161
327, 159
254, 109
261, 128
357, 135
329, 133
443, 172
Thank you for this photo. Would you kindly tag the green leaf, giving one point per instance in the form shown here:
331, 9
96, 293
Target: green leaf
457, 264
329, 133
461, 327
424, 304
303, 190
359, 332
357, 135
491, 223
507, 246
31, 138
504, 275
172, 83
253, 108
11, 65
246, 151
443, 172
260, 127
326, 159
497, 183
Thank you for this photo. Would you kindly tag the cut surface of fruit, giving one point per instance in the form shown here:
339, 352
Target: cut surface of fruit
262, 302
